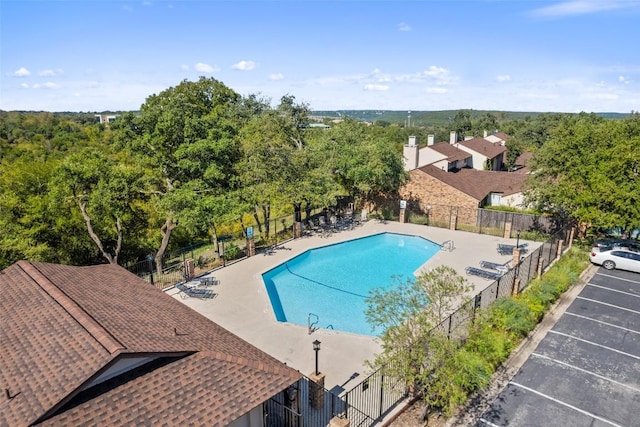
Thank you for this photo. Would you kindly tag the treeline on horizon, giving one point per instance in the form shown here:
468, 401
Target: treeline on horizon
381, 117
199, 160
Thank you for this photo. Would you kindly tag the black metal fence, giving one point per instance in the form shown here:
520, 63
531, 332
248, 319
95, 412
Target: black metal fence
307, 404
380, 393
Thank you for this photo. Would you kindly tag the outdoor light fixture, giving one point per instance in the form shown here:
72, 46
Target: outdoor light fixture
316, 348
518, 240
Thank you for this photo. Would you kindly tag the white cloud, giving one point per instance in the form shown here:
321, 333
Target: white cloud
403, 26
46, 85
185, 67
50, 72
276, 76
581, 7
244, 66
436, 90
439, 75
21, 72
376, 87
205, 68
24, 85
503, 78
624, 80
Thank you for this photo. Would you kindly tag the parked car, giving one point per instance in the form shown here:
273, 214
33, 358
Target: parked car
608, 244
622, 259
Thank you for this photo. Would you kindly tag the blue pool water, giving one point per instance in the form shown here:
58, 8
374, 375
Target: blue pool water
332, 282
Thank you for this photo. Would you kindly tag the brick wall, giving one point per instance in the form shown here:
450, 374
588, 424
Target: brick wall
423, 189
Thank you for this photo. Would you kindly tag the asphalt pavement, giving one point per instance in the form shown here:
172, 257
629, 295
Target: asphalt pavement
586, 370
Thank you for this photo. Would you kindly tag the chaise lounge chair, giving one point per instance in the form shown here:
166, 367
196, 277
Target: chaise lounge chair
208, 281
186, 292
508, 249
503, 268
485, 274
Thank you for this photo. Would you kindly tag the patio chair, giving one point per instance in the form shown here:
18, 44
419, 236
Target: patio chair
209, 281
503, 268
508, 249
188, 292
485, 274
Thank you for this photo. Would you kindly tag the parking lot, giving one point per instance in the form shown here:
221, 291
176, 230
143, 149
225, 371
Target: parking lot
586, 370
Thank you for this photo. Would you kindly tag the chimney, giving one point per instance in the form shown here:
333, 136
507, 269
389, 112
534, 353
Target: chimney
485, 133
410, 154
430, 139
453, 137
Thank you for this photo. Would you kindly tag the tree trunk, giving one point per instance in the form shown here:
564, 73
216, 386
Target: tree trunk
266, 212
307, 211
258, 222
297, 212
166, 229
113, 259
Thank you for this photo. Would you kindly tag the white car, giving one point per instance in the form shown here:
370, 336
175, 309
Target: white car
620, 258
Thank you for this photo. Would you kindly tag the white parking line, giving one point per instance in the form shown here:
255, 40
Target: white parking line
595, 344
614, 290
603, 323
618, 278
602, 377
582, 411
608, 305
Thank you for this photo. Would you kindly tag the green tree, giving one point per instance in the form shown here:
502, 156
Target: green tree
185, 137
462, 123
105, 193
409, 314
590, 170
366, 164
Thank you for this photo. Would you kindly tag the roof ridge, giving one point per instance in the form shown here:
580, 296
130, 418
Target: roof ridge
95, 329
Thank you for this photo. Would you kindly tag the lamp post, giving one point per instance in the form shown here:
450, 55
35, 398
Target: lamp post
518, 240
316, 348
428, 214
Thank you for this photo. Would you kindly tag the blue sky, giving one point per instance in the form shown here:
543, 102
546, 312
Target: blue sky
510, 55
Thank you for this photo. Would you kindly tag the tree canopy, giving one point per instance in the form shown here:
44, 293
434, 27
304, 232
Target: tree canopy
589, 169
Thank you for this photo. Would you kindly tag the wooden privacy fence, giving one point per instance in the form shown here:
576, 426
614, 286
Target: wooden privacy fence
483, 221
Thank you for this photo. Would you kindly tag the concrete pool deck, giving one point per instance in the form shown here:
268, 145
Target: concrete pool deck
243, 307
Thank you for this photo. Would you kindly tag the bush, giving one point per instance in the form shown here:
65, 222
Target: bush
232, 252
513, 316
458, 373
491, 343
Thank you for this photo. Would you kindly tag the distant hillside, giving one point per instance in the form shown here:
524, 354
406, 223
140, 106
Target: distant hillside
431, 118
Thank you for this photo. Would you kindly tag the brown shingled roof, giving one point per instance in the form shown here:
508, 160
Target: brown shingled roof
62, 326
478, 184
484, 147
452, 152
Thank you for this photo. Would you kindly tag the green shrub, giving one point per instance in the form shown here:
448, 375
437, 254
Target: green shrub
513, 316
491, 343
232, 252
459, 373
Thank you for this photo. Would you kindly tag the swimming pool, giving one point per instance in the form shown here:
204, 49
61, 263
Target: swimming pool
330, 284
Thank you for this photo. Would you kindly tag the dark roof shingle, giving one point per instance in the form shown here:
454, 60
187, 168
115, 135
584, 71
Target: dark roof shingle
62, 326
484, 147
478, 184
452, 152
